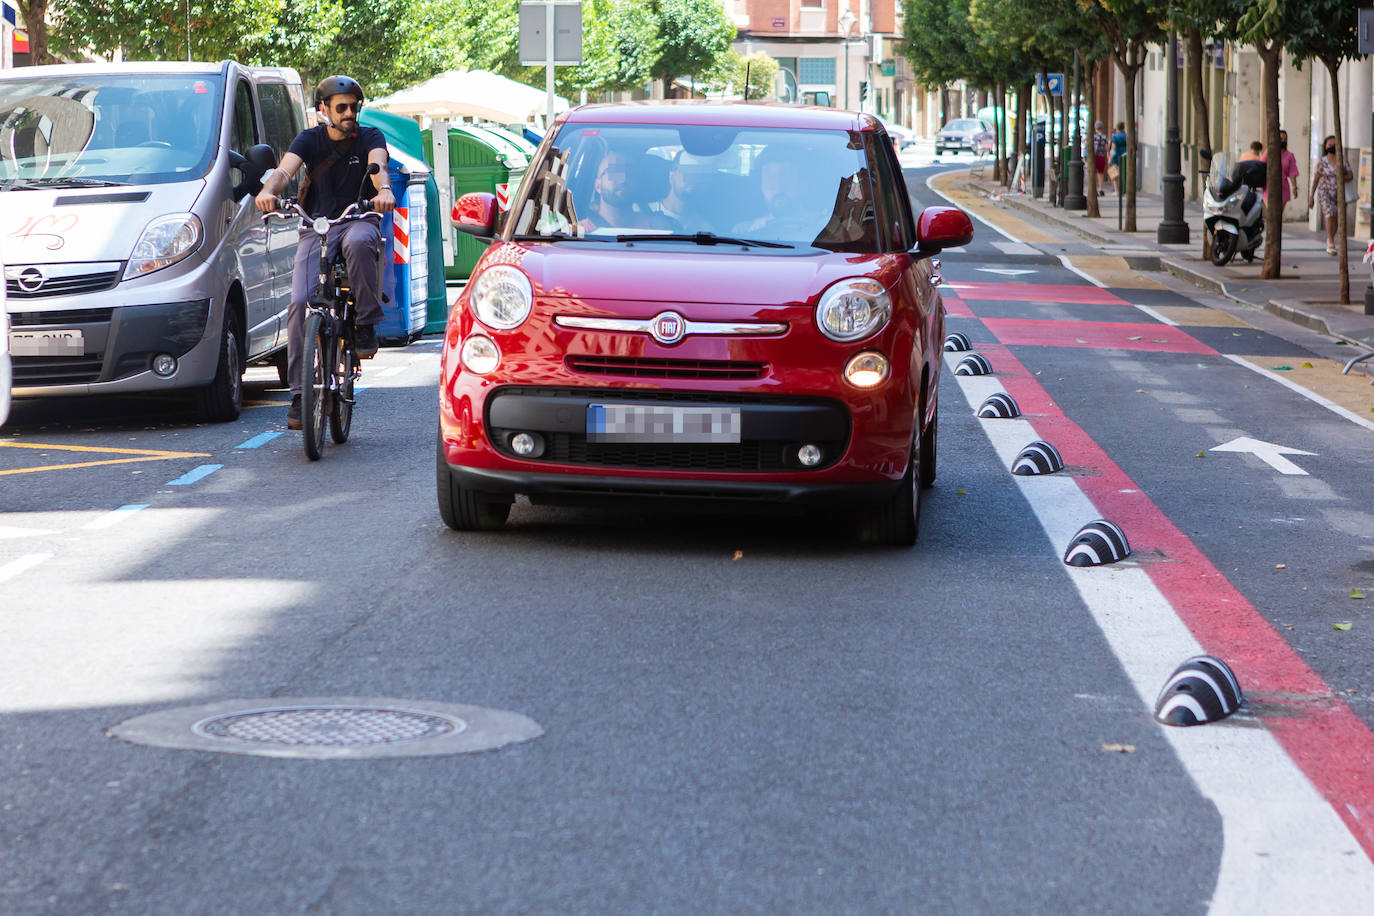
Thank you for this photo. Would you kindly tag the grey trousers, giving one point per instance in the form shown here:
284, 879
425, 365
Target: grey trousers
362, 245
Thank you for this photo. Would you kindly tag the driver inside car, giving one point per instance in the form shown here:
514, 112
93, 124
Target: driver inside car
614, 199
787, 204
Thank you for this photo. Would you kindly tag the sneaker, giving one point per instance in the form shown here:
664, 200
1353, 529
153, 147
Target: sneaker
1331, 249
366, 339
293, 413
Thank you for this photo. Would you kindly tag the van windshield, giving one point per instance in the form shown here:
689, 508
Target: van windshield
780, 188
77, 130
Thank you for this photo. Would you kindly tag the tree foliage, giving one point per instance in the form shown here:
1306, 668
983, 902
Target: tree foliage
620, 43
695, 35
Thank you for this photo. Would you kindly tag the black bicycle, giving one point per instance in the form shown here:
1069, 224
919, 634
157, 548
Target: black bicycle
329, 354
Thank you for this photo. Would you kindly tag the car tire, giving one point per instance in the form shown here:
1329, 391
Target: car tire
928, 443
897, 521
221, 401
462, 508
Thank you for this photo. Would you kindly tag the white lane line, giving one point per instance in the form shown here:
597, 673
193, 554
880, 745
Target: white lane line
1157, 317
193, 475
1310, 395
1064, 259
22, 564
1284, 848
388, 373
114, 517
1015, 248
259, 440
993, 226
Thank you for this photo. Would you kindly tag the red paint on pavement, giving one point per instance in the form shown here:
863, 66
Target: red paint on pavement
1037, 292
957, 307
1322, 735
1154, 337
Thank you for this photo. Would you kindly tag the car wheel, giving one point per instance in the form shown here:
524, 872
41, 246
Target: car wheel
928, 442
462, 508
1223, 248
221, 401
897, 521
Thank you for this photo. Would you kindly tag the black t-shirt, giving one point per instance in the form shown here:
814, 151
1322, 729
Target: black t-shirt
337, 187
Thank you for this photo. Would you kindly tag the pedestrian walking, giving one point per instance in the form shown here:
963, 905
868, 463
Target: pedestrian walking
1329, 177
1100, 155
1118, 154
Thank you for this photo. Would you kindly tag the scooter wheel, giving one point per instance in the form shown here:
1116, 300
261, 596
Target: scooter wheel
1223, 248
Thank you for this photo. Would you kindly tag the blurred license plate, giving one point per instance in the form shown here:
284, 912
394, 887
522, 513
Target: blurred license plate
47, 343
661, 423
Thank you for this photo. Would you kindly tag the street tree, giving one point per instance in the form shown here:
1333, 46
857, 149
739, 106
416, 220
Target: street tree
694, 36
752, 76
935, 41
35, 13
1325, 30
620, 44
158, 30
1130, 27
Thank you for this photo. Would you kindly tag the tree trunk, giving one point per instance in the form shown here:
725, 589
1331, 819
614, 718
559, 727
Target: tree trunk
1023, 97
1272, 58
1091, 70
1135, 53
996, 139
36, 21
1203, 165
1332, 67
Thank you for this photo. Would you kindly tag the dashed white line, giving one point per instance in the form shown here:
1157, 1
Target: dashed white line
21, 565
114, 517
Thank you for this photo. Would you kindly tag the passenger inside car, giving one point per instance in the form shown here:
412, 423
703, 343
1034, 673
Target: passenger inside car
615, 201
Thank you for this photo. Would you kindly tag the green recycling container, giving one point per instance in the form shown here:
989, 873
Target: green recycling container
479, 160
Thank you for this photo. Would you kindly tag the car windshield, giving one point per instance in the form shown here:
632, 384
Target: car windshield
963, 125
705, 185
78, 130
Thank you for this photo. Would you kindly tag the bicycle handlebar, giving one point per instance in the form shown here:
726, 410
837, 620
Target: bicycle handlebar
288, 207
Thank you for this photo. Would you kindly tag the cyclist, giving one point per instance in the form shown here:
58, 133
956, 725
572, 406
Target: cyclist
336, 154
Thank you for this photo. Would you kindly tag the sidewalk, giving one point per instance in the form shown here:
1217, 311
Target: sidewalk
1307, 293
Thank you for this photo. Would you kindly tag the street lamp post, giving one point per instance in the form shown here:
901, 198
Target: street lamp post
1172, 229
846, 22
1075, 199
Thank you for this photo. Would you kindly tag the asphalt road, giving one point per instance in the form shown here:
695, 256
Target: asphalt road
739, 714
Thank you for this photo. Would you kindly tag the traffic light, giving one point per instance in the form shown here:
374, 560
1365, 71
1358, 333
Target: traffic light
863, 90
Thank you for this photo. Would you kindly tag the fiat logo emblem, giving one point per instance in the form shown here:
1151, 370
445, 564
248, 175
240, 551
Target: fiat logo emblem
668, 327
30, 279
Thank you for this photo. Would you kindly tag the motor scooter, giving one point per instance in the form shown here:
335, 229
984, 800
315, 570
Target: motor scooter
1232, 211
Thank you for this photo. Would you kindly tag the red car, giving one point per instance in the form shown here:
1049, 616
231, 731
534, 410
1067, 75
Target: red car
714, 301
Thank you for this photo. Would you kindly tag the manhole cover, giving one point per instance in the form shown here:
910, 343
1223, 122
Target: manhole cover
329, 726
336, 727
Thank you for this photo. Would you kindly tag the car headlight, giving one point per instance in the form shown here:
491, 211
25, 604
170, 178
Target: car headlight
853, 309
501, 297
165, 241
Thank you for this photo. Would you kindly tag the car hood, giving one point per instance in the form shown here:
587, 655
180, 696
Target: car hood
85, 224
684, 273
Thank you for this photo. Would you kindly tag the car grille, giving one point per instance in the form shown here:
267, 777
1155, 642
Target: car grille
645, 367
65, 286
61, 319
776, 454
48, 370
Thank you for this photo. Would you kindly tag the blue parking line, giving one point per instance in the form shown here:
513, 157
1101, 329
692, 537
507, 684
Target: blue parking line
191, 476
259, 439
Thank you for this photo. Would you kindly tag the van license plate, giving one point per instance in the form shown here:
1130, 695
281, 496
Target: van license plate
661, 423
47, 343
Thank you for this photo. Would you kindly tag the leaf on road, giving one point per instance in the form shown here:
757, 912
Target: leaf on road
1137, 337
1202, 454
739, 555
1119, 748
1356, 593
962, 492
1343, 626
1306, 366
1280, 565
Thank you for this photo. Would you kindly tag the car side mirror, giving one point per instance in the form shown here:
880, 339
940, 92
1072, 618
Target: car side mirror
476, 214
258, 162
938, 228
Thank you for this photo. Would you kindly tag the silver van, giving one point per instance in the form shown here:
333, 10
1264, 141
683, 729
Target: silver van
135, 260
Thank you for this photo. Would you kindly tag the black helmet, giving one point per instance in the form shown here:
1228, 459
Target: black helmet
331, 86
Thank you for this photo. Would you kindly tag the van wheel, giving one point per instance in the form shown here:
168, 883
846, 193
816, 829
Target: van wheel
221, 401
462, 508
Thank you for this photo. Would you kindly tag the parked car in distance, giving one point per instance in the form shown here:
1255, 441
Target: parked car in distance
719, 302
972, 134
902, 137
135, 258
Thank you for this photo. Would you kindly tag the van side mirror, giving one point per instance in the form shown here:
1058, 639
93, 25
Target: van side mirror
476, 214
259, 161
938, 228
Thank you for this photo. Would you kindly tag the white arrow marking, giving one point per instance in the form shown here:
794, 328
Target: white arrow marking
1268, 452
1005, 271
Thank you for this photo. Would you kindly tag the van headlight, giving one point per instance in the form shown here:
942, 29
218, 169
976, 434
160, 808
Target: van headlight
853, 309
165, 241
501, 297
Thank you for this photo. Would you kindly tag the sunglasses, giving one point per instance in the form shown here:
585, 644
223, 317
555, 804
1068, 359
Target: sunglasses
343, 107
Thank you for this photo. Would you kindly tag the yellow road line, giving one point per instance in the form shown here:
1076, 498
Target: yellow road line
79, 464
105, 450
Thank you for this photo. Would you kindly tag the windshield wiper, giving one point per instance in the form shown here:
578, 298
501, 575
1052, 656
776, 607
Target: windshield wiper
32, 184
699, 238
558, 237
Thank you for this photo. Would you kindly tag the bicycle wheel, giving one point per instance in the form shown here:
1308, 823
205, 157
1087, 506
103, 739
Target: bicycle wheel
315, 377
341, 407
